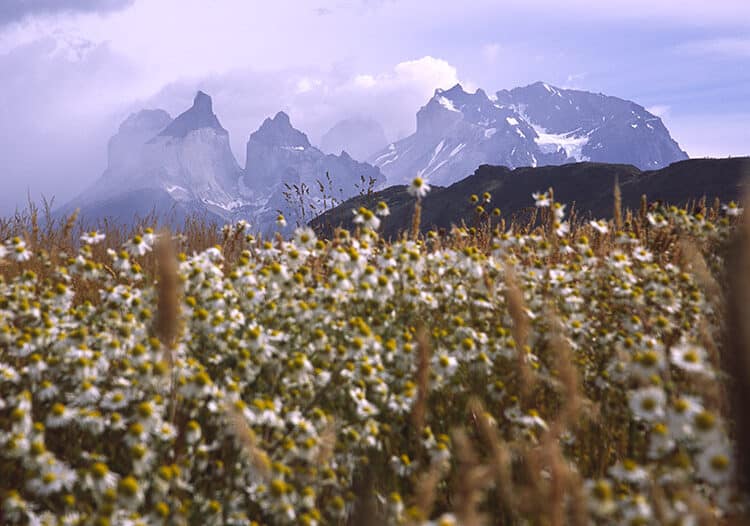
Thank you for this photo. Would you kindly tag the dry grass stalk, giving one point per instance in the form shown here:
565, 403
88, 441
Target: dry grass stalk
167, 322
426, 490
692, 261
568, 376
166, 325
245, 436
472, 478
70, 222
520, 330
617, 212
416, 219
498, 451
424, 351
327, 443
737, 339
558, 481
578, 515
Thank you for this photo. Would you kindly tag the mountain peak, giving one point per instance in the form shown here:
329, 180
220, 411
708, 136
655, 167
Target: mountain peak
150, 120
456, 89
278, 131
200, 115
203, 102
542, 86
283, 118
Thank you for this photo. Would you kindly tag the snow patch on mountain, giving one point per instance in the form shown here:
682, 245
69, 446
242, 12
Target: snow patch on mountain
447, 104
531, 126
570, 142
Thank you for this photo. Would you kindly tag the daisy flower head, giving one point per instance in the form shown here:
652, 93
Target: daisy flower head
281, 221
715, 464
689, 357
305, 238
732, 209
647, 403
138, 246
600, 226
16, 247
93, 237
541, 199
418, 188
601, 497
365, 217
382, 209
629, 471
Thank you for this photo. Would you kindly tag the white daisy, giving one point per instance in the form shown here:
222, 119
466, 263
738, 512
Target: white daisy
541, 199
689, 357
732, 209
382, 209
418, 188
366, 218
92, 238
647, 403
630, 472
715, 463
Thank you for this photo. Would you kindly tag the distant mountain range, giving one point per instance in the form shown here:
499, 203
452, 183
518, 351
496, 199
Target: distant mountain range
535, 125
587, 186
183, 166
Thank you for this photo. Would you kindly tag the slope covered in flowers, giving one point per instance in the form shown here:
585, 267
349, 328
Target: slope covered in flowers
550, 372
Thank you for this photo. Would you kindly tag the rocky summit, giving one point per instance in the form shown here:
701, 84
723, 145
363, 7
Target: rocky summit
181, 166
532, 126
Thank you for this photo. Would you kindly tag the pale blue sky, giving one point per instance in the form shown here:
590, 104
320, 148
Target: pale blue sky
71, 70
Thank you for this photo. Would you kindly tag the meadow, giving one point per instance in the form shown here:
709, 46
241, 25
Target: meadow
550, 371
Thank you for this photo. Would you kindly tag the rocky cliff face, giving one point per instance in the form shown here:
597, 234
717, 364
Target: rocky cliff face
532, 126
187, 166
124, 148
593, 126
281, 159
185, 163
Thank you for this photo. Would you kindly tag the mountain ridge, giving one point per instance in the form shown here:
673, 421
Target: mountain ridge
588, 186
458, 131
175, 167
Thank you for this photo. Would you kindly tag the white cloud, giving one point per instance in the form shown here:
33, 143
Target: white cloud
660, 110
315, 99
426, 71
725, 47
366, 81
491, 52
574, 81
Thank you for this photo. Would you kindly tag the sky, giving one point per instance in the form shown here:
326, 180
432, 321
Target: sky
72, 70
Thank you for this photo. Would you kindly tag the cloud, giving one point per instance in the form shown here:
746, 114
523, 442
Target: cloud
315, 99
58, 110
17, 10
660, 110
722, 47
491, 52
574, 80
63, 100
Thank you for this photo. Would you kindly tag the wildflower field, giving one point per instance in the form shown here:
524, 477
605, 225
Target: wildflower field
544, 372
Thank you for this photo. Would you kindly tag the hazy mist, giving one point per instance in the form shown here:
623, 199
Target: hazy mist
71, 71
